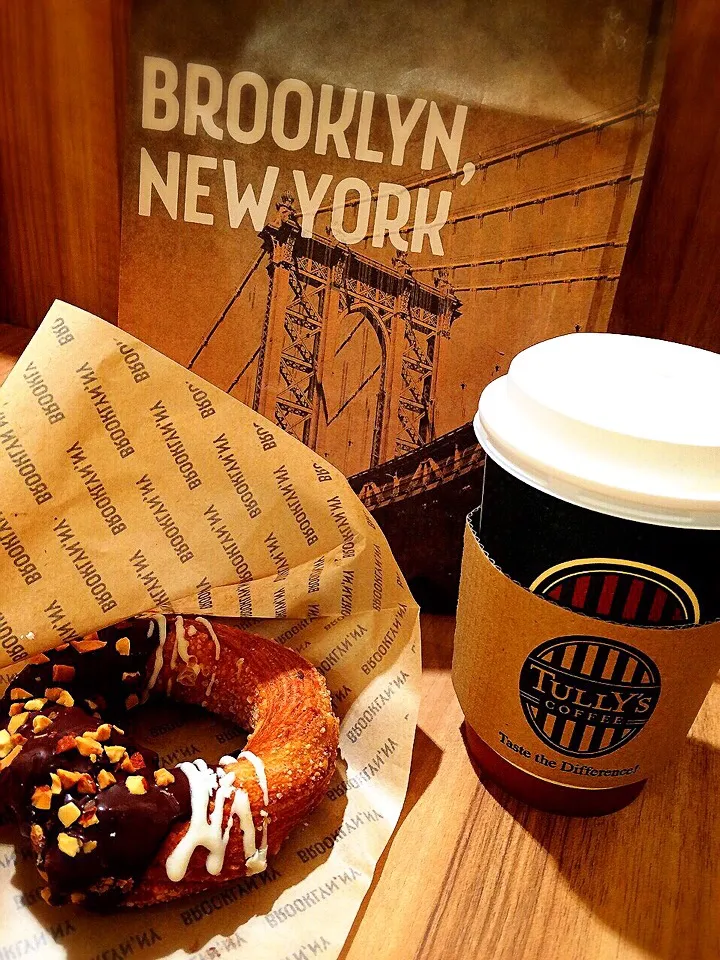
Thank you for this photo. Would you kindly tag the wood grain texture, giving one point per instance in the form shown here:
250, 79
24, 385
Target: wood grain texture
471, 874
61, 95
13, 341
62, 87
669, 286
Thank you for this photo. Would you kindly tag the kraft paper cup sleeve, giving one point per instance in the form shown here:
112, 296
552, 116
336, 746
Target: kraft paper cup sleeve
500, 624
128, 484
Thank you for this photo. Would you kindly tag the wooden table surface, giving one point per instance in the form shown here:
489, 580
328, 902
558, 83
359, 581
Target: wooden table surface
471, 873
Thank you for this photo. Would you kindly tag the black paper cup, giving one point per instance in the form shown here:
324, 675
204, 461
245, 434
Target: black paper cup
607, 567
601, 494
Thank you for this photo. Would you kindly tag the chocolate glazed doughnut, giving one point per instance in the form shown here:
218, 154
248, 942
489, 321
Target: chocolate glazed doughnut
111, 827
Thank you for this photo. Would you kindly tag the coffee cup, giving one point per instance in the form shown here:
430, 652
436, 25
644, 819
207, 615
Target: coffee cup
589, 604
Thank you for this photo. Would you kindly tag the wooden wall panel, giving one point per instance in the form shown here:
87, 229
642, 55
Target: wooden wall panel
669, 286
61, 95
62, 87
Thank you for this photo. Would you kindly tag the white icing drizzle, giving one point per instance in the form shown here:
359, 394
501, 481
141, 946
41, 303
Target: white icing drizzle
173, 664
259, 768
173, 654
241, 809
161, 622
256, 862
180, 648
205, 830
210, 630
181, 645
202, 832
208, 691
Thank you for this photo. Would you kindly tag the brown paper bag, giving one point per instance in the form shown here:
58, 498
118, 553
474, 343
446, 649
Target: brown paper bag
129, 484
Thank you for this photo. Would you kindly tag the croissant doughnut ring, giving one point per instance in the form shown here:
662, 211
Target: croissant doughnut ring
107, 824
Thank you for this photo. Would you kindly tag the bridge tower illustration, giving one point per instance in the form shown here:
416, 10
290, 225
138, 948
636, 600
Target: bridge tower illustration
316, 286
541, 230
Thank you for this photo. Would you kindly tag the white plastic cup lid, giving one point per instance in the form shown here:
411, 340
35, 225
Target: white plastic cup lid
626, 426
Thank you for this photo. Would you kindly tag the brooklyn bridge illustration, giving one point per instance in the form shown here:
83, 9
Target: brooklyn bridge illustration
358, 352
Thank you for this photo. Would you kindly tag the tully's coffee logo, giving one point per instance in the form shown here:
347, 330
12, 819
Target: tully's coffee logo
620, 590
587, 696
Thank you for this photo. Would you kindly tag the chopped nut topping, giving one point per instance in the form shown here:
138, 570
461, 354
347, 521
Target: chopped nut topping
123, 646
34, 705
103, 733
41, 798
17, 721
63, 673
136, 785
17, 693
131, 701
86, 784
5, 743
118, 730
105, 779
65, 743
68, 778
55, 783
77, 897
130, 677
163, 777
15, 709
39, 658
59, 696
133, 763
87, 746
6, 761
102, 886
68, 845
68, 813
41, 723
89, 846
91, 704
115, 754
87, 646
89, 817
46, 895
37, 837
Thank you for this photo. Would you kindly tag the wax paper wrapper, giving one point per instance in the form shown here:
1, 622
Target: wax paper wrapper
128, 484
